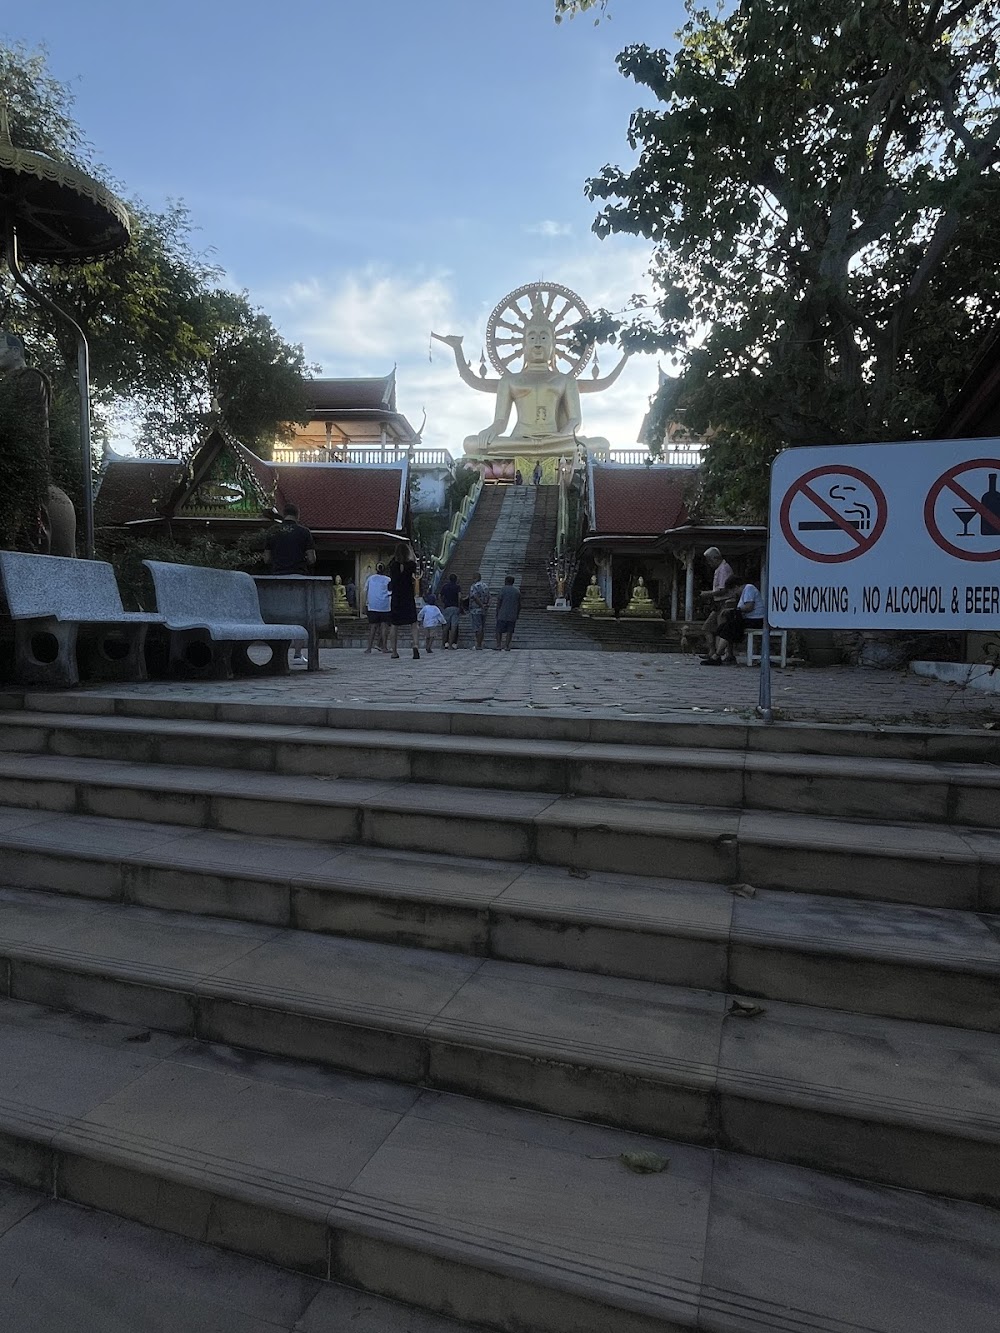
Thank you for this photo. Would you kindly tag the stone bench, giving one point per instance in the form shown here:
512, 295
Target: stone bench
214, 622
778, 636
68, 621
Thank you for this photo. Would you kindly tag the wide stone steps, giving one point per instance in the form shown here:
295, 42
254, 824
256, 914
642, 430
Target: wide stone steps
794, 1083
802, 783
482, 1211
682, 730
68, 1269
923, 964
381, 997
932, 865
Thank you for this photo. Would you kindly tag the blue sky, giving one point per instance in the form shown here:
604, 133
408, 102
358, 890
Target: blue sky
368, 171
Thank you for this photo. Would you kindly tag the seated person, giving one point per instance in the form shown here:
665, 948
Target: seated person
751, 607
747, 612
429, 617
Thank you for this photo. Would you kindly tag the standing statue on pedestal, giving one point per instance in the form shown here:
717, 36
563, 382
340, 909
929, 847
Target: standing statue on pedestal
534, 325
35, 515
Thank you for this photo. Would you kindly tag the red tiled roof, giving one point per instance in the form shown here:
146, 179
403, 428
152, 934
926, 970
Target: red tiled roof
132, 489
342, 497
640, 501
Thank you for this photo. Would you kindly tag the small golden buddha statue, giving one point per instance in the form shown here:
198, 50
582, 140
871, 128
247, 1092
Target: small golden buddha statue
341, 606
641, 604
593, 603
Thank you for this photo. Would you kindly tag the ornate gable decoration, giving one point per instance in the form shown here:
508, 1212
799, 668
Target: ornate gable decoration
219, 484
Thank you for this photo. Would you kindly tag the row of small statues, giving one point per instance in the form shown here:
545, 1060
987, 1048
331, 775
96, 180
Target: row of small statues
641, 606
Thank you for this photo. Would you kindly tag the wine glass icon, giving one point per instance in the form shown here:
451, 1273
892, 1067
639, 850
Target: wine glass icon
964, 516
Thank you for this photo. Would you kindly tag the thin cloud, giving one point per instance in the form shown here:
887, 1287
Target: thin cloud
549, 228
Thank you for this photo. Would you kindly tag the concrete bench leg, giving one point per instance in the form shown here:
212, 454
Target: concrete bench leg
277, 664
113, 652
194, 656
45, 653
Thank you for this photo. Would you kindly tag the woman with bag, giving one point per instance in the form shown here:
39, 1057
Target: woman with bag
403, 588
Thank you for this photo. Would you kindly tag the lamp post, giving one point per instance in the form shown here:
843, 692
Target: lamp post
54, 213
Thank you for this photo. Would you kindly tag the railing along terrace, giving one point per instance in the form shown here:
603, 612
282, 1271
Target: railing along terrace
672, 457
366, 454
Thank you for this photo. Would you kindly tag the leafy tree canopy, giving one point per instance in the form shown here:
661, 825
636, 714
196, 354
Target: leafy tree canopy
820, 180
165, 336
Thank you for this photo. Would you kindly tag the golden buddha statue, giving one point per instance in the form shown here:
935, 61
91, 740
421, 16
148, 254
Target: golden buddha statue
544, 397
593, 603
341, 606
641, 604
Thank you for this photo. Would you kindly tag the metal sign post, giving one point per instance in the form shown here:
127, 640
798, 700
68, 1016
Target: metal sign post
764, 709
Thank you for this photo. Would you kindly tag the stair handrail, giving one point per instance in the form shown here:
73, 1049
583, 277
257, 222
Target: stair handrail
461, 519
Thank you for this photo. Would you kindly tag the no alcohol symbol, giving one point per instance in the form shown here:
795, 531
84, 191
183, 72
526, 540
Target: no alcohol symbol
962, 510
833, 514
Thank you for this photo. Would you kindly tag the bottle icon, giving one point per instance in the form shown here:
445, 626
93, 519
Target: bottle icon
991, 502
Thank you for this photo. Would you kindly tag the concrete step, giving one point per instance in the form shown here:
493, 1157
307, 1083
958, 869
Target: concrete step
866, 957
929, 865
510, 1218
64, 1267
807, 784
207, 703
789, 1082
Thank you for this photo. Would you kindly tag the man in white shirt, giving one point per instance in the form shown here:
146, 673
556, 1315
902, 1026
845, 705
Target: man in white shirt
377, 604
723, 572
751, 607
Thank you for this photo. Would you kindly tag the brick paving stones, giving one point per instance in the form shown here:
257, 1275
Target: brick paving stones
619, 684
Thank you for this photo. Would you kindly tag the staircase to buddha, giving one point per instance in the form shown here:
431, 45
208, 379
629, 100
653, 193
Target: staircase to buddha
532, 1022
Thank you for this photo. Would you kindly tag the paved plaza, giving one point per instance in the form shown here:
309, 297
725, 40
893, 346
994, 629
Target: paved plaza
629, 684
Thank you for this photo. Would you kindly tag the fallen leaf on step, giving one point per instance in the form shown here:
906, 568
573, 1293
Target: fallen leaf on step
738, 1010
644, 1163
140, 1036
579, 874
990, 726
743, 890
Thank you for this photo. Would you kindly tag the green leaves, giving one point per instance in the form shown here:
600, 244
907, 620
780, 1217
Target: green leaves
165, 336
819, 180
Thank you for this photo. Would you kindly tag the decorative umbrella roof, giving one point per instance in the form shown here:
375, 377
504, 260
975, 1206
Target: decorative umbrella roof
60, 213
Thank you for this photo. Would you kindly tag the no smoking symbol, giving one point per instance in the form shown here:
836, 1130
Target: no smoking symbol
833, 514
958, 505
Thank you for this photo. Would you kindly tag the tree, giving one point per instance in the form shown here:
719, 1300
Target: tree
570, 8
165, 336
821, 184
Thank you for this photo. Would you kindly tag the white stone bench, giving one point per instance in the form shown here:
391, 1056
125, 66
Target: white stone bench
213, 618
68, 621
778, 636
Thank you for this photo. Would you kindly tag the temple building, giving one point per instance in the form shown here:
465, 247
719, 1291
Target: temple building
351, 420
357, 511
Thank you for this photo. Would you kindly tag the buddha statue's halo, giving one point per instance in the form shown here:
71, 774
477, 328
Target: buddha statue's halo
550, 304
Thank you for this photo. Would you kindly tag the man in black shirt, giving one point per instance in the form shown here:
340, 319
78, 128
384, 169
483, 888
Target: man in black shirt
290, 549
450, 597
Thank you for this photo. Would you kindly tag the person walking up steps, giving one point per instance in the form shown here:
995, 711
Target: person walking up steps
451, 605
479, 604
403, 597
429, 618
508, 610
377, 603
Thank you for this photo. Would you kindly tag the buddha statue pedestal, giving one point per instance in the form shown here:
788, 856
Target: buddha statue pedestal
342, 608
641, 606
593, 603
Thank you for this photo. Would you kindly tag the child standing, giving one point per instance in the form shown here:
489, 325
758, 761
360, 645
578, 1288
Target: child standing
429, 618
